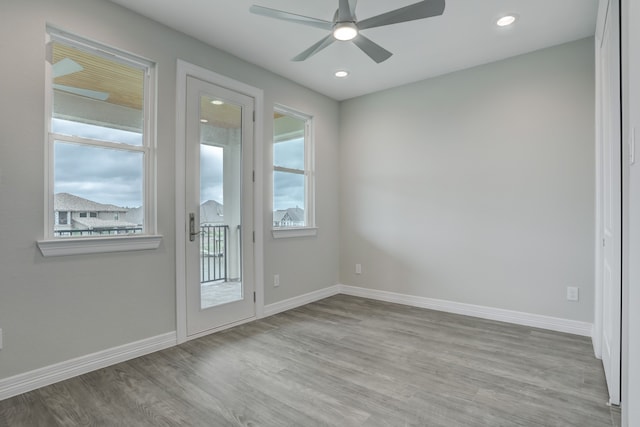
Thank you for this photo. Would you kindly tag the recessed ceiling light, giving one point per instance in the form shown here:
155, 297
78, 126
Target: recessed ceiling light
204, 121
344, 31
506, 20
217, 102
341, 74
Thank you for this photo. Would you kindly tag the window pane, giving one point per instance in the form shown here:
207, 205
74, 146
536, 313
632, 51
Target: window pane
289, 154
211, 174
96, 97
106, 183
292, 153
288, 199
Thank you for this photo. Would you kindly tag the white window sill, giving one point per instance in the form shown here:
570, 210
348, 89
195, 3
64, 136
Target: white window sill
284, 232
98, 245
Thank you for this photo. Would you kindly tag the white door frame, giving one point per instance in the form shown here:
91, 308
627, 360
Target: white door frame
597, 324
601, 105
185, 69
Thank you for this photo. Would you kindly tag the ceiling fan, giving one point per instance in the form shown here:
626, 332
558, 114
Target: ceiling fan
68, 66
345, 26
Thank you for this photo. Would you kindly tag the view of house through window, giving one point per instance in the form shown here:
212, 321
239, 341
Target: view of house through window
97, 143
292, 170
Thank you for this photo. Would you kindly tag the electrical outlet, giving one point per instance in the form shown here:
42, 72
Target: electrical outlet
276, 280
572, 293
0, 339
358, 268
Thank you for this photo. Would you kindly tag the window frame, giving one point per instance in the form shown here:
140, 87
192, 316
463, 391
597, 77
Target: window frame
150, 239
310, 228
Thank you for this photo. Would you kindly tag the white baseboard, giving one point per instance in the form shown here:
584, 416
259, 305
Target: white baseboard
502, 315
47, 375
300, 300
28, 381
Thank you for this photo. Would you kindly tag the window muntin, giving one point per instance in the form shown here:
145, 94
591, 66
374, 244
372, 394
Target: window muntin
100, 141
292, 170
103, 133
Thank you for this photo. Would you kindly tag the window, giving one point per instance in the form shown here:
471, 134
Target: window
293, 198
62, 218
100, 143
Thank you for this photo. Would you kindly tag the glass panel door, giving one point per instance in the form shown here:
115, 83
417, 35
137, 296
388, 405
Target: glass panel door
219, 140
220, 219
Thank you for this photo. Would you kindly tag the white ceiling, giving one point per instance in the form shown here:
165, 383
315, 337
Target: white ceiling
464, 36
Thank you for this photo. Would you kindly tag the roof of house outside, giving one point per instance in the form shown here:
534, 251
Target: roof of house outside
71, 203
292, 214
134, 215
211, 212
96, 223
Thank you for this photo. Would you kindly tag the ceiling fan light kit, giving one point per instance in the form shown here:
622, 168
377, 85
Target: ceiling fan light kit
345, 26
345, 31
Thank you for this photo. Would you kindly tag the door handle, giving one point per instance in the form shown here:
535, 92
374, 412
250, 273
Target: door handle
192, 227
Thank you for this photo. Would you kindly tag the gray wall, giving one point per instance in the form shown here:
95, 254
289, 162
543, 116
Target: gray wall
55, 309
473, 187
477, 186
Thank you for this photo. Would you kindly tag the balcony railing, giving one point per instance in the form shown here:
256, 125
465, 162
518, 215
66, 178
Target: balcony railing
74, 232
214, 242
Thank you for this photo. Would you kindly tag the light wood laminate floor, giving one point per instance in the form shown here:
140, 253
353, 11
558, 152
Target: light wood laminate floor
342, 361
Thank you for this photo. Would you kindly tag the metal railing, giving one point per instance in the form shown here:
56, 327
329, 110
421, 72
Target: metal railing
96, 232
214, 242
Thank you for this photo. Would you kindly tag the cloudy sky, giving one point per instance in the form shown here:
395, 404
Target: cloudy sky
100, 174
112, 176
211, 174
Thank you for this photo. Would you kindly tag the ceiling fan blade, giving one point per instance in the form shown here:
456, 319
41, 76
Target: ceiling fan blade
352, 6
374, 50
291, 17
315, 48
65, 66
345, 11
421, 10
88, 93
